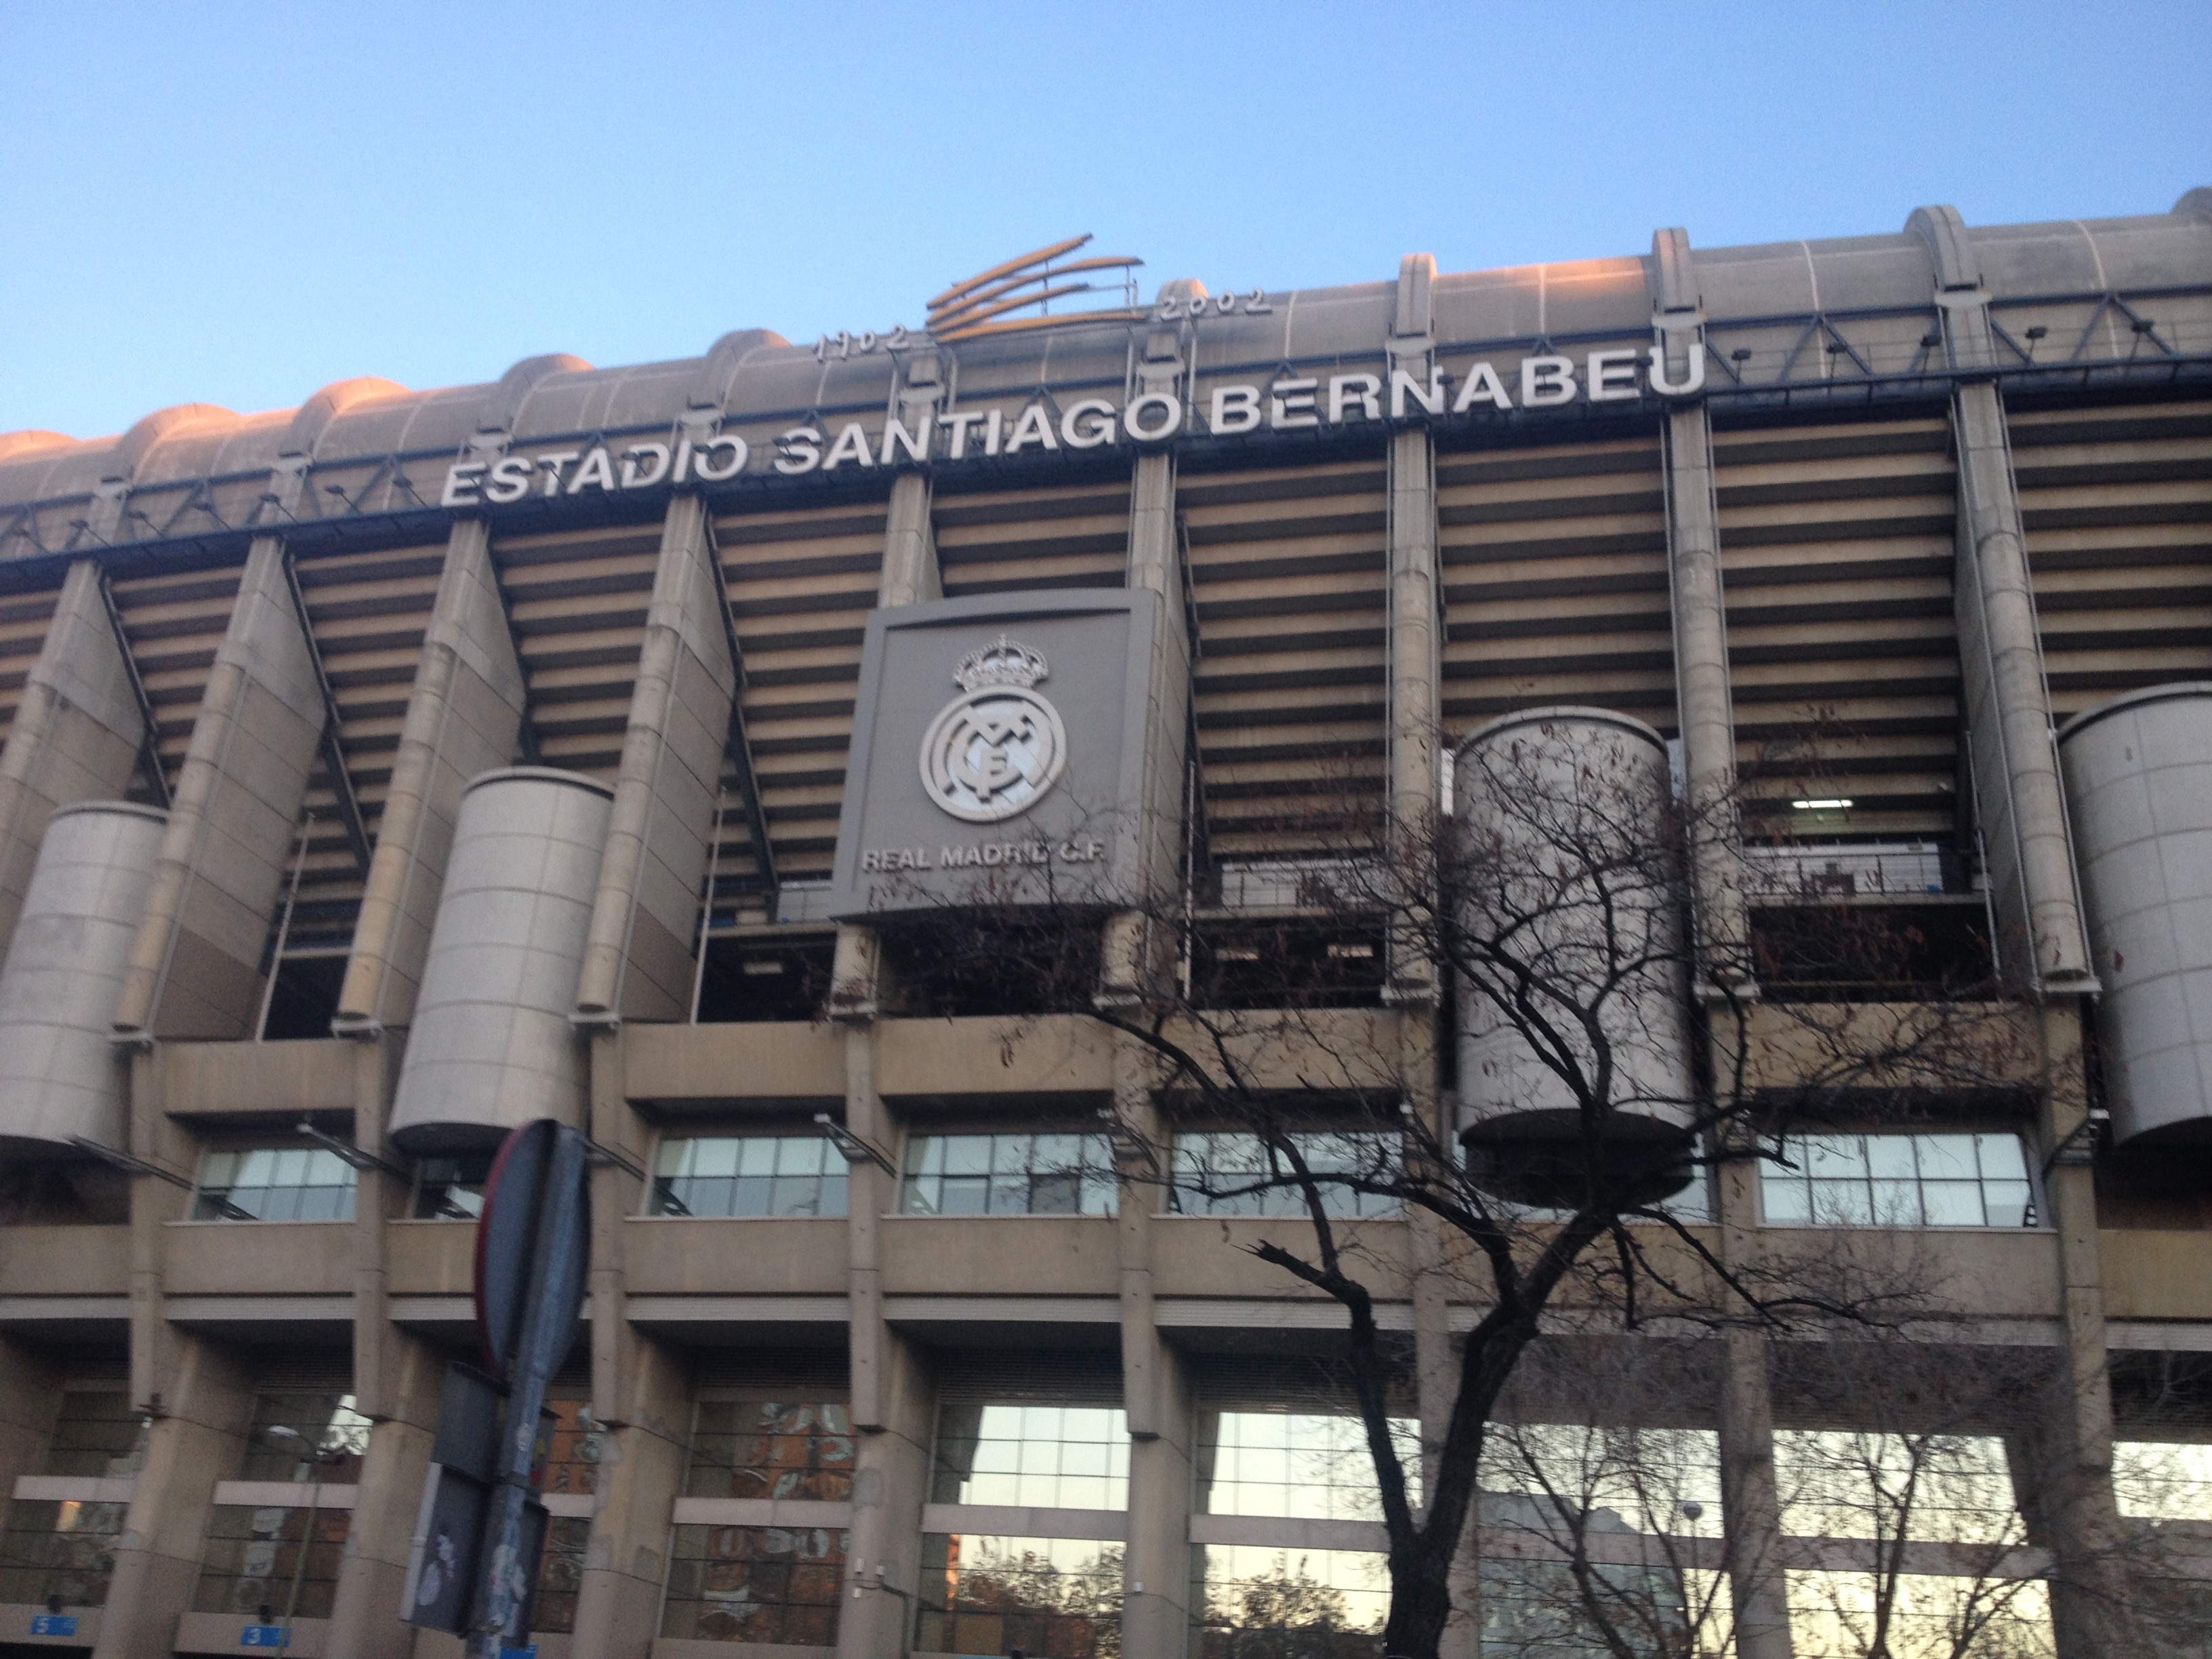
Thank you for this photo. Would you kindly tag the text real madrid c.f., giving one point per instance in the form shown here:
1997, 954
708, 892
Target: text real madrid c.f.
1287, 404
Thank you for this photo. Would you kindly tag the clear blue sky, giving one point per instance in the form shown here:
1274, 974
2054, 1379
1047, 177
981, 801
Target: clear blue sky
238, 203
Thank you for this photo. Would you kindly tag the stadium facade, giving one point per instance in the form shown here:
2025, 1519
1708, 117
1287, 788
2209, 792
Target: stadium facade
384, 773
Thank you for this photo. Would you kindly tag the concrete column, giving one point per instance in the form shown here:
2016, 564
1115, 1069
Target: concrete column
463, 717
909, 573
2042, 947
196, 970
2072, 1506
157, 1346
76, 736
640, 1473
641, 1395
1155, 1567
365, 1622
1416, 599
1704, 701
638, 958
197, 1439
1751, 1501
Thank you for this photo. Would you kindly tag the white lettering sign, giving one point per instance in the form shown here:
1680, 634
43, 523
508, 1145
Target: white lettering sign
1288, 403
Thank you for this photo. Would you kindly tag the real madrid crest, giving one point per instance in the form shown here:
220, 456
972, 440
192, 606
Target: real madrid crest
994, 750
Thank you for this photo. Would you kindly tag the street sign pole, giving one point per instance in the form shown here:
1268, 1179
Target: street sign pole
551, 1298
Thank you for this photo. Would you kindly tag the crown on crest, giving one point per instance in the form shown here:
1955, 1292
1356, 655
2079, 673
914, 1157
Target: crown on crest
1002, 662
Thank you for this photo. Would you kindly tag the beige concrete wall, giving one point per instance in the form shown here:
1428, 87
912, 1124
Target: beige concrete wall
258, 1258
196, 970
65, 1261
999, 1255
769, 1062
792, 1256
282, 1079
644, 933
75, 736
463, 716
1059, 1054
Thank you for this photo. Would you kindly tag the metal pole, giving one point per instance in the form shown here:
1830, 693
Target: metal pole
557, 1268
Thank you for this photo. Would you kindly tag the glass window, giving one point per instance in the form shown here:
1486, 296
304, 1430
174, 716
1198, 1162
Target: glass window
1222, 1172
572, 1460
2163, 1480
979, 1593
274, 1183
771, 1584
1311, 1465
1048, 1173
1835, 1613
1955, 1180
270, 1564
64, 1549
771, 1448
1069, 1457
561, 1573
1249, 1599
328, 1439
750, 1175
1541, 1477
451, 1189
99, 1434
1921, 1488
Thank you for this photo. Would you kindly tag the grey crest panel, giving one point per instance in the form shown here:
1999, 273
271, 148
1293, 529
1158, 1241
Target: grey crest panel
998, 753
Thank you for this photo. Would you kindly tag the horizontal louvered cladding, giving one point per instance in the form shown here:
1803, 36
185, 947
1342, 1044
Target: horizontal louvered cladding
1086, 1376
2117, 507
1002, 541
369, 612
800, 585
174, 625
1837, 551
578, 602
1554, 569
24, 619
1288, 572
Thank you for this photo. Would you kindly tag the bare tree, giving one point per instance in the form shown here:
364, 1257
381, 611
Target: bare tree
1554, 908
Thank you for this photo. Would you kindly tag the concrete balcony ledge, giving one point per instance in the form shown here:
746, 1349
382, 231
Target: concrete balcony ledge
65, 1261
1046, 1057
258, 1258
15, 1619
222, 1632
430, 1258
2155, 1274
774, 1064
284, 1495
271, 1079
763, 1256
1024, 1255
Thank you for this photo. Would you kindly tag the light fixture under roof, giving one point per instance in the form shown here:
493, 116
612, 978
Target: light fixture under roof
1826, 804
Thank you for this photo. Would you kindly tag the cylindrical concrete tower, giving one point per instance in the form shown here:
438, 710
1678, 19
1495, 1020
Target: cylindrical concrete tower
59, 1075
491, 1045
2139, 781
1571, 875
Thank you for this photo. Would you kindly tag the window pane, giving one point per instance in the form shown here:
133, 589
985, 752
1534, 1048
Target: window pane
1835, 1157
1842, 1204
1944, 1158
1952, 1203
2003, 1158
